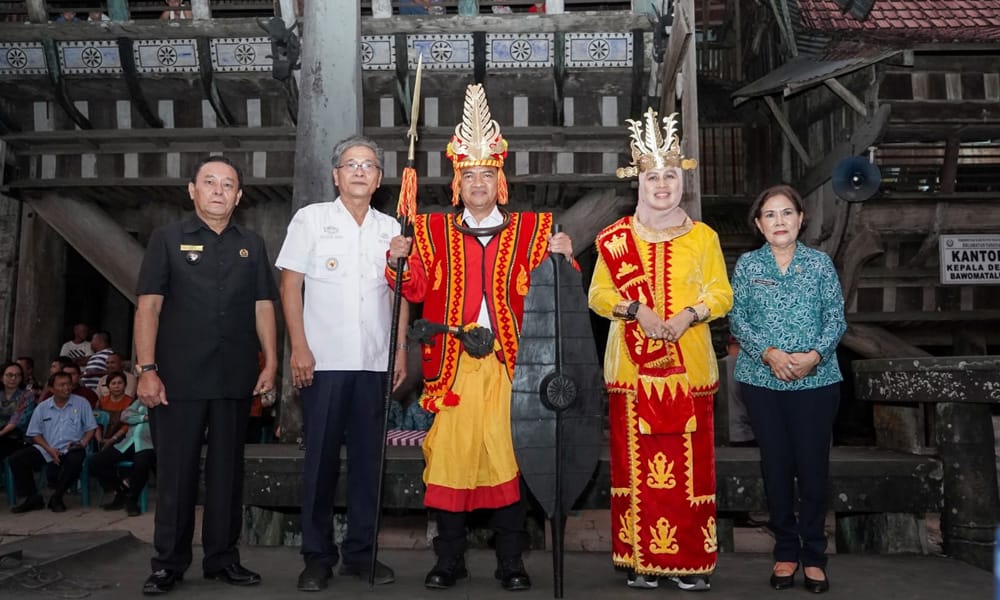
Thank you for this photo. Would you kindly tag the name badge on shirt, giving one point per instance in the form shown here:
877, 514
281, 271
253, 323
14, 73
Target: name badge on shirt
192, 248
764, 282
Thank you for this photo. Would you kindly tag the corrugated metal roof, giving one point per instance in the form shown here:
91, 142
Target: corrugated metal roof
805, 72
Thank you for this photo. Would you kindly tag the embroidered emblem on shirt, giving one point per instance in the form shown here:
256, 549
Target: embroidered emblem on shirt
192, 247
616, 245
193, 258
661, 473
244, 253
332, 264
711, 541
522, 282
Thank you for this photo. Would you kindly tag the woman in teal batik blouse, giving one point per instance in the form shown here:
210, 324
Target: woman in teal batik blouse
788, 314
134, 444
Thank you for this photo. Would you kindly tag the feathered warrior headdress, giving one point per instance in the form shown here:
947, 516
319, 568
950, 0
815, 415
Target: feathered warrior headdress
477, 143
653, 150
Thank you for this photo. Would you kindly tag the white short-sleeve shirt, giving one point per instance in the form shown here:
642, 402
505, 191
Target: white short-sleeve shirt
348, 304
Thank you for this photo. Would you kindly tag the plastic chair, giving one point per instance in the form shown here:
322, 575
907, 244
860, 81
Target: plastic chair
8, 480
103, 419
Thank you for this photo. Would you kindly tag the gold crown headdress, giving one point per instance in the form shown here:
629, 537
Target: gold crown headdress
477, 142
653, 150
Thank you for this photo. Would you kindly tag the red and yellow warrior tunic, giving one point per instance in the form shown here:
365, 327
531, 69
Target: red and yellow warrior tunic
469, 453
660, 394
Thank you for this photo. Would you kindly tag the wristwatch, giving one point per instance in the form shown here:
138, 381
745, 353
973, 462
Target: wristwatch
139, 370
632, 310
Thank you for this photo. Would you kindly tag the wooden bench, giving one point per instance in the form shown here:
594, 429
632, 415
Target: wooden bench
863, 481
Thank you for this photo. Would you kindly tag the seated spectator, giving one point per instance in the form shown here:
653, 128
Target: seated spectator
114, 403
56, 366
414, 7
60, 428
97, 363
136, 445
16, 407
537, 7
96, 16
501, 9
78, 348
30, 383
115, 363
78, 390
67, 16
175, 12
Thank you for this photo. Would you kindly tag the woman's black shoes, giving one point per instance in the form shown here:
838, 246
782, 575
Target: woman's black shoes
817, 586
783, 582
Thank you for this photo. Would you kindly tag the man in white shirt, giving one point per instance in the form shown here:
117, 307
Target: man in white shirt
339, 335
78, 348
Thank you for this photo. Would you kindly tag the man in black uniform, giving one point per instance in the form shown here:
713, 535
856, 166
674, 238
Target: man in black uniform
205, 308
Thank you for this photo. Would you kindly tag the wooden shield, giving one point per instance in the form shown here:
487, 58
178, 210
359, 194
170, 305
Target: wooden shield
557, 389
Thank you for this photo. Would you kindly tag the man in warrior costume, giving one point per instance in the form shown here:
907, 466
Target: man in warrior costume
660, 278
472, 269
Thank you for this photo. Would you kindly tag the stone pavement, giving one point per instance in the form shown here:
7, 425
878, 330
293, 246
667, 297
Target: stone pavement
108, 557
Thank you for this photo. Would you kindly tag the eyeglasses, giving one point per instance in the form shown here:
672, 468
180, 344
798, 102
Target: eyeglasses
11, 374
366, 166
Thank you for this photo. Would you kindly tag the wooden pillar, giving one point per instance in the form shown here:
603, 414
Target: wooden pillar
330, 109
36, 11
118, 10
201, 10
41, 291
689, 120
10, 228
381, 9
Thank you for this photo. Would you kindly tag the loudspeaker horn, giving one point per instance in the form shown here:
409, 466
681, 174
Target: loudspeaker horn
855, 179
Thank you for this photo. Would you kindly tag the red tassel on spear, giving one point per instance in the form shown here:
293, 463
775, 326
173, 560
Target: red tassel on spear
406, 211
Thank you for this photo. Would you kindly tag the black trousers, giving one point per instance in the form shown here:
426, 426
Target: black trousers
794, 430
104, 466
29, 459
339, 407
507, 523
9, 445
178, 431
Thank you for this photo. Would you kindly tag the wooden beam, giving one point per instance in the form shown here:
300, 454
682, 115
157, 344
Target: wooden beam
114, 253
847, 96
930, 244
691, 144
680, 41
786, 128
864, 135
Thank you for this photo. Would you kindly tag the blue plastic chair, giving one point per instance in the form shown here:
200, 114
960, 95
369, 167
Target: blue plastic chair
8, 480
102, 418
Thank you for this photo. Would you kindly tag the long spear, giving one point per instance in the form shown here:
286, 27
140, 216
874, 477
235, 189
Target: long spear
406, 211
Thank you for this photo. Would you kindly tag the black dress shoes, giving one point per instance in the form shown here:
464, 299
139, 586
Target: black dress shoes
56, 504
512, 576
234, 574
817, 586
30, 503
161, 582
445, 573
314, 578
383, 573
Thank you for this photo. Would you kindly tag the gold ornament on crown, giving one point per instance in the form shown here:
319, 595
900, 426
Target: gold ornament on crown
653, 148
477, 142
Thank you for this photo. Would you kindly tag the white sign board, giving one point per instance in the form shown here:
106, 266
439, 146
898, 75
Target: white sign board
970, 259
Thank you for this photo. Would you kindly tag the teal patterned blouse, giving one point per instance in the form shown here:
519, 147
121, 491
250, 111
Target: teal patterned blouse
798, 311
